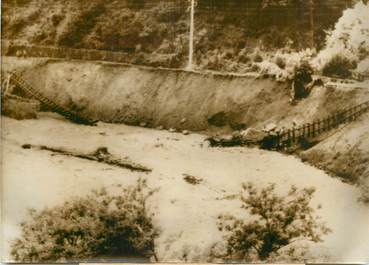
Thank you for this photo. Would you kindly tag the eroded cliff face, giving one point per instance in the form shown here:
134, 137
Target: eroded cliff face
178, 99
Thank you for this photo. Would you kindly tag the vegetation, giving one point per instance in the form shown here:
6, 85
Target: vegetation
339, 66
156, 32
94, 226
80, 25
277, 222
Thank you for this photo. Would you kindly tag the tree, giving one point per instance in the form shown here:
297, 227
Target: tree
275, 222
94, 226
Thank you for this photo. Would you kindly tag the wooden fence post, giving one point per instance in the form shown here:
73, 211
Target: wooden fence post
278, 140
309, 130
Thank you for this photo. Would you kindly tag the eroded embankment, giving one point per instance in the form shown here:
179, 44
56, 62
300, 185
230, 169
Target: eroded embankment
176, 99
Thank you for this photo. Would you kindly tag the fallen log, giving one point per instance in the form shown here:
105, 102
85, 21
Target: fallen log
101, 155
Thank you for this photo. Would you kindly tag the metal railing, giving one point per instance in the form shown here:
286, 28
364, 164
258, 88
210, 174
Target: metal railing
20, 50
311, 130
16, 78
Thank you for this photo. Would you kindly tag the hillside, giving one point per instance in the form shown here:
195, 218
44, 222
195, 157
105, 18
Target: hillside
344, 154
156, 32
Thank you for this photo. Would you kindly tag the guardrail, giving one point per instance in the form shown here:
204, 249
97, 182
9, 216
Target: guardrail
318, 127
63, 53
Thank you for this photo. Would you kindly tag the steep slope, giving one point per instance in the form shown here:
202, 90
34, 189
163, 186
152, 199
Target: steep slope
345, 154
202, 101
156, 32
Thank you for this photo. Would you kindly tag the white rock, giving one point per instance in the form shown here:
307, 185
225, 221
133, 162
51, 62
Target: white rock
270, 127
252, 134
236, 134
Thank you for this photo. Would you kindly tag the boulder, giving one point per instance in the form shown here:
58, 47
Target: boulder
19, 108
270, 127
252, 135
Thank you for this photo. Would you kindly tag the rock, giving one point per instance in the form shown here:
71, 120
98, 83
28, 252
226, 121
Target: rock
143, 124
183, 120
252, 135
172, 130
270, 127
26, 146
227, 137
20, 108
185, 132
236, 134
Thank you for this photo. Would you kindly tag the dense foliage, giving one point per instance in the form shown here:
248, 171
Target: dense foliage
94, 226
277, 222
156, 32
339, 66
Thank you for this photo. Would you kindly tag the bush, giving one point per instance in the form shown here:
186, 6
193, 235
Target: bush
258, 58
280, 62
56, 19
95, 226
80, 25
339, 66
277, 221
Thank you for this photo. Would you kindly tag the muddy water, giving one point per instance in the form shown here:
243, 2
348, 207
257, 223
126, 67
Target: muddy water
185, 213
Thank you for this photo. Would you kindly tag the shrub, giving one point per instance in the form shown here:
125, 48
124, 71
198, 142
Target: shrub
56, 19
258, 58
280, 62
277, 221
339, 66
81, 25
94, 226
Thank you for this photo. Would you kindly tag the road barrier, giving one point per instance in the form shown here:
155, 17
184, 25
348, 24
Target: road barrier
63, 53
312, 130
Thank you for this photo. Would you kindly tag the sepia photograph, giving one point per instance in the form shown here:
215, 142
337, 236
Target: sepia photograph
184, 131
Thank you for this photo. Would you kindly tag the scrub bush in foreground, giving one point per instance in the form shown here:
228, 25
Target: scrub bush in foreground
275, 222
98, 225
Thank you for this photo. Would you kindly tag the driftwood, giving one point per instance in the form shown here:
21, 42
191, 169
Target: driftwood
101, 155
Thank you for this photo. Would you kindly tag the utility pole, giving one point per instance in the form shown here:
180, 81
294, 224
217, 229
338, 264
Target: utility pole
191, 41
312, 35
